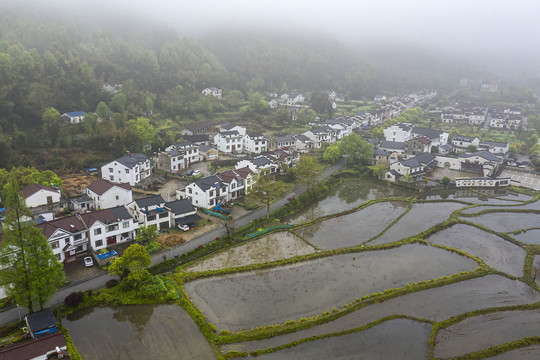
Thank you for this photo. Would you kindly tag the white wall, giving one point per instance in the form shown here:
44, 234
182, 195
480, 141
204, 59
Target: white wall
40, 198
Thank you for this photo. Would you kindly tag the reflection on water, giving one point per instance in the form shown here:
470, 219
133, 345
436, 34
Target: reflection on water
137, 332
347, 196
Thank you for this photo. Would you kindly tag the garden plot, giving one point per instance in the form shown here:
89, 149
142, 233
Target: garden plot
276, 246
485, 331
346, 197
352, 229
493, 250
434, 304
531, 236
476, 209
137, 332
405, 337
531, 352
506, 221
421, 217
246, 300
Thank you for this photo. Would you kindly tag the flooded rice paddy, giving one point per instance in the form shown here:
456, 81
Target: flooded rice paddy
492, 249
407, 338
485, 331
531, 236
276, 246
137, 332
507, 221
353, 229
421, 217
246, 300
347, 196
434, 304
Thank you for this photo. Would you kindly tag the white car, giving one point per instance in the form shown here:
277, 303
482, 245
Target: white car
183, 227
88, 261
195, 173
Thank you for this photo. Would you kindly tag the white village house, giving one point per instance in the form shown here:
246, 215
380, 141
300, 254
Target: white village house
130, 169
212, 91
37, 195
150, 211
105, 194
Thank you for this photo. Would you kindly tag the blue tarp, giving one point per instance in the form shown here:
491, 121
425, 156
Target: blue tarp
106, 255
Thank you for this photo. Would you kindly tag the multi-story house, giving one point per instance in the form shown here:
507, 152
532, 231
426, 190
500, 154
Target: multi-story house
150, 211
229, 141
68, 237
177, 157
37, 195
399, 132
465, 141
105, 194
110, 226
318, 136
206, 192
132, 169
260, 165
255, 143
286, 141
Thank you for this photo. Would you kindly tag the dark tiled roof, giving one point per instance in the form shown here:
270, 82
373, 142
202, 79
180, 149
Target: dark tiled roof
180, 206
261, 161
397, 145
196, 138
198, 126
41, 320
208, 182
101, 186
150, 201
133, 160
204, 148
244, 172
486, 155
495, 143
106, 216
34, 188
69, 224
190, 219
34, 348
429, 133
411, 163
424, 158
303, 138
229, 133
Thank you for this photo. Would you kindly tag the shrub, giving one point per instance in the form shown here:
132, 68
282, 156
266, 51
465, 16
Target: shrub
74, 298
111, 283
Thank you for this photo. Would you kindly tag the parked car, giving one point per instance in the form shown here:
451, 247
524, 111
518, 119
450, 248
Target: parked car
190, 173
88, 261
183, 227
196, 172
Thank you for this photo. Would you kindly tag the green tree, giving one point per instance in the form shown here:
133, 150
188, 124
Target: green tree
308, 171
332, 153
29, 175
377, 132
234, 98
118, 103
260, 193
102, 110
29, 265
306, 115
143, 130
357, 150
471, 148
134, 262
321, 104
51, 124
147, 234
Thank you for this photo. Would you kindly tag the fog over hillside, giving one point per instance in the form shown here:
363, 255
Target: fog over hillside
493, 35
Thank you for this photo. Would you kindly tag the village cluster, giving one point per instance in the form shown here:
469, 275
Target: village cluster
106, 212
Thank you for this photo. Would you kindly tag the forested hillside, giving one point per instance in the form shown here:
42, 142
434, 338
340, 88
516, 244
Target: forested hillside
49, 61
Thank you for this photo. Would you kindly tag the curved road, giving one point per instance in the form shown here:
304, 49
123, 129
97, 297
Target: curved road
99, 282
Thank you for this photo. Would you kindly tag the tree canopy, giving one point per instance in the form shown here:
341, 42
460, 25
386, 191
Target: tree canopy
357, 150
29, 266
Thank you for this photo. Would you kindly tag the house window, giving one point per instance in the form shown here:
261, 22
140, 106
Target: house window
111, 170
125, 224
77, 237
59, 257
190, 191
211, 193
112, 227
127, 171
49, 200
98, 243
117, 197
97, 231
55, 244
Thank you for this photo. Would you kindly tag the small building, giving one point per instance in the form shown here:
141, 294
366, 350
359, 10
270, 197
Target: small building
260, 165
417, 145
255, 143
150, 211
109, 227
397, 147
212, 91
482, 182
40, 195
182, 212
208, 153
81, 203
229, 141
41, 323
74, 117
106, 194
132, 169
198, 128
495, 147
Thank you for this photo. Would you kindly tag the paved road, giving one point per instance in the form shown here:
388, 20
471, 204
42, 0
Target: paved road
99, 282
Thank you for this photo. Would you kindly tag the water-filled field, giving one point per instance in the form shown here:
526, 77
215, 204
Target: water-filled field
277, 295
421, 217
353, 229
507, 221
137, 332
276, 246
